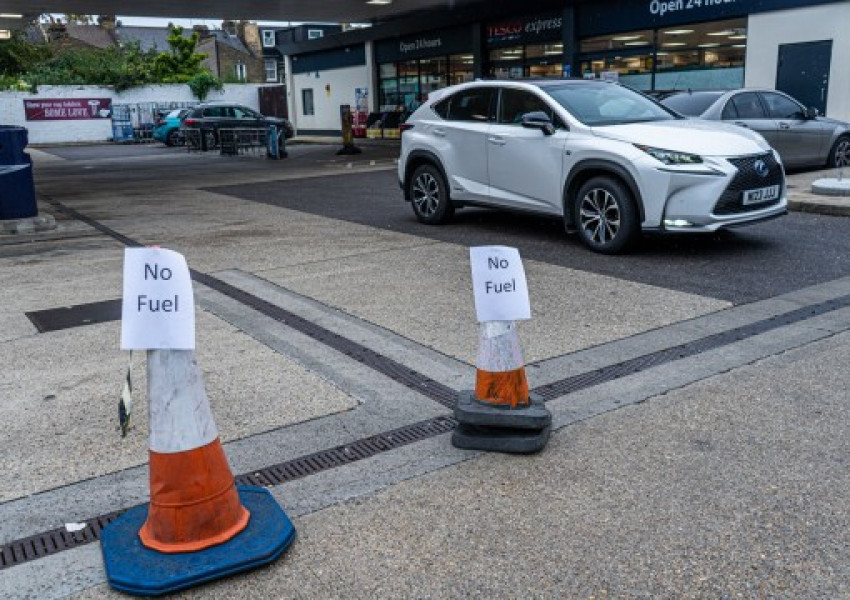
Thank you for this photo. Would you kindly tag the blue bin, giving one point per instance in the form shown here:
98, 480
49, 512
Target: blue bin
17, 189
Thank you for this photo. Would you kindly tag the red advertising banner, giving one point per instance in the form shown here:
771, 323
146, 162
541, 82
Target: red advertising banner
67, 109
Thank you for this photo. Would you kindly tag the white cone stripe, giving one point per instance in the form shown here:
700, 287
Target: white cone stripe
499, 348
180, 415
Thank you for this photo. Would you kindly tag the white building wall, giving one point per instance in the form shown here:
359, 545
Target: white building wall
767, 31
100, 130
331, 89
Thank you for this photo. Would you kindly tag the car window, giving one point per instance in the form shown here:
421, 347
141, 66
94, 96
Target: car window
781, 107
607, 104
748, 106
471, 104
690, 104
245, 113
214, 111
729, 111
514, 104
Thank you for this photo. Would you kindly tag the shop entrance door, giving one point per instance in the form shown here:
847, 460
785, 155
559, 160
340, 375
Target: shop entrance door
803, 72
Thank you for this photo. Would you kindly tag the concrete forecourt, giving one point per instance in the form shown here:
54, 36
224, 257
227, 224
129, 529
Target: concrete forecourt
698, 445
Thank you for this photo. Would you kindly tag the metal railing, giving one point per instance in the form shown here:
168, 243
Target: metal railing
237, 141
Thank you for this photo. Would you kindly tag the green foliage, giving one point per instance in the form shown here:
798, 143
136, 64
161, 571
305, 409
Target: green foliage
17, 55
203, 83
23, 65
182, 63
115, 66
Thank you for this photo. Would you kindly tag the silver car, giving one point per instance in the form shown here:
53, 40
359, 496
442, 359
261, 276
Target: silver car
799, 134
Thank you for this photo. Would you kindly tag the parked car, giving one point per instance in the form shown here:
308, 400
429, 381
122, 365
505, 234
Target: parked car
167, 127
799, 134
609, 161
211, 117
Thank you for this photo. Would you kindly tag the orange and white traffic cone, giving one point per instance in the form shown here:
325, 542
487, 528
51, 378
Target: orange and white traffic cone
199, 525
501, 414
194, 503
500, 374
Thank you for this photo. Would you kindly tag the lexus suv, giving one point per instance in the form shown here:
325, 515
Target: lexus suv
609, 161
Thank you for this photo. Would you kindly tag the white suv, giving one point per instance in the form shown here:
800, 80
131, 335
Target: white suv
608, 160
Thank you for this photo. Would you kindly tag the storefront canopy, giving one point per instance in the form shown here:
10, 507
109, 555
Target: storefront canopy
338, 11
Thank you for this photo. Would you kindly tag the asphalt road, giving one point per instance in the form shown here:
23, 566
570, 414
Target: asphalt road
739, 266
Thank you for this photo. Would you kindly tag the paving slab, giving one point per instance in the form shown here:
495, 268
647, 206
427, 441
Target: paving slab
734, 486
60, 413
425, 294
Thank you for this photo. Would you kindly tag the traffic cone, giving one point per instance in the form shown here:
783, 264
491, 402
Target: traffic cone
194, 503
199, 525
501, 414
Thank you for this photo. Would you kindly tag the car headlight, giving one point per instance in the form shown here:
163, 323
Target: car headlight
671, 157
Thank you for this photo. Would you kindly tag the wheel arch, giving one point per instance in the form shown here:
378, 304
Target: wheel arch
416, 159
585, 170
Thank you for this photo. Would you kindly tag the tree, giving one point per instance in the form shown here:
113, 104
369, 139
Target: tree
17, 55
181, 63
120, 67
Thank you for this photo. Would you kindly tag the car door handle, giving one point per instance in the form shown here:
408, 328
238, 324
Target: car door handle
440, 132
741, 124
784, 126
499, 141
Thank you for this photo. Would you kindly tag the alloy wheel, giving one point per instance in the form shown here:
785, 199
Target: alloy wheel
426, 194
842, 153
599, 216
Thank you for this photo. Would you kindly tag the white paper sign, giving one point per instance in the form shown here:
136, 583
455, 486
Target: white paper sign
498, 282
158, 308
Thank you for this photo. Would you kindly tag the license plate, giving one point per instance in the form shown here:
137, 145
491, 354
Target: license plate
764, 194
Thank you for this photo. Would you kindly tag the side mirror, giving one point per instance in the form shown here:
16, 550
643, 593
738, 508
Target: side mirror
538, 120
811, 113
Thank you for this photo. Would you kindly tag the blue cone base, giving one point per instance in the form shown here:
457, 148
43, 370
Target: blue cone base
135, 569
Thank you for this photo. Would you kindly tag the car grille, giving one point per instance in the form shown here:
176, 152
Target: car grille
730, 202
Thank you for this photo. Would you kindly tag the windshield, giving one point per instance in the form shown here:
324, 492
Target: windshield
691, 104
604, 103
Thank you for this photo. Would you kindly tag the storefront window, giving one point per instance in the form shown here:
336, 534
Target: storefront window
405, 85
534, 60
698, 56
461, 68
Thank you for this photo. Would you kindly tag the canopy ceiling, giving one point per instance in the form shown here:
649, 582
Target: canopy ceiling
311, 11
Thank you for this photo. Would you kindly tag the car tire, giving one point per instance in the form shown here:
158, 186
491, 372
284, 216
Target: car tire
429, 195
839, 155
605, 215
173, 138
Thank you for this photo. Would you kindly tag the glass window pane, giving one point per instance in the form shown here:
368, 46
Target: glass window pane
515, 104
471, 105
748, 106
460, 68
780, 107
512, 53
388, 70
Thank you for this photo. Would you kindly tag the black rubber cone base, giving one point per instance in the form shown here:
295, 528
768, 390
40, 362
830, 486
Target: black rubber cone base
500, 439
471, 411
135, 569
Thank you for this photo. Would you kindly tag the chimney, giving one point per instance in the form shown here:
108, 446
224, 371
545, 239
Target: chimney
249, 33
229, 27
107, 22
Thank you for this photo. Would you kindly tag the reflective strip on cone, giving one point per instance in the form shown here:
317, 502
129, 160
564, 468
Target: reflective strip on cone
194, 503
500, 374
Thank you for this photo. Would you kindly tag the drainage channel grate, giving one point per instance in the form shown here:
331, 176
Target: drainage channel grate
711, 342
57, 540
31, 548
55, 319
375, 361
